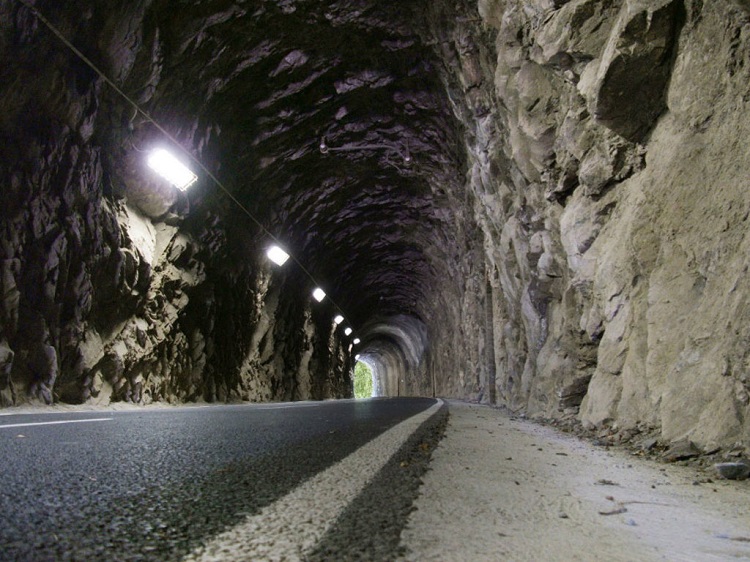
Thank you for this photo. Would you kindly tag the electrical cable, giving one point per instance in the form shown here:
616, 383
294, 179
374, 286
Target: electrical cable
171, 138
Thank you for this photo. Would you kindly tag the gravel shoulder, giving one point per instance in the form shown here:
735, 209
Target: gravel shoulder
503, 488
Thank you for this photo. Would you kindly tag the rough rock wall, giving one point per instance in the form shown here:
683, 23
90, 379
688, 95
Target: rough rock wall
113, 286
609, 164
591, 262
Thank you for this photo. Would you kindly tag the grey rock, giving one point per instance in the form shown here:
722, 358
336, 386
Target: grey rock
733, 470
635, 68
648, 444
681, 450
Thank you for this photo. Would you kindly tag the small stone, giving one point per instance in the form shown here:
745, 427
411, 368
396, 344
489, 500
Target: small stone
681, 450
647, 444
605, 482
733, 470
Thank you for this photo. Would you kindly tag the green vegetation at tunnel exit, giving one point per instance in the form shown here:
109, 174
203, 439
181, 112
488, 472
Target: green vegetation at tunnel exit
362, 380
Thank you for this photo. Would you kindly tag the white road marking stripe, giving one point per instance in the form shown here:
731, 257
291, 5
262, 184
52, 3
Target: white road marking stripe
53, 422
293, 525
284, 406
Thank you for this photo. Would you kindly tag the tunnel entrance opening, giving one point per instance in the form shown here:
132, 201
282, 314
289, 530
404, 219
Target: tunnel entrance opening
362, 380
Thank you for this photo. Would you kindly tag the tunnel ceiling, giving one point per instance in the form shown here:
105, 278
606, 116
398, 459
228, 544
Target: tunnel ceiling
258, 85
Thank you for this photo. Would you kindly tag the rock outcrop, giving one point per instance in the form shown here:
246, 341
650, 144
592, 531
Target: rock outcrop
610, 178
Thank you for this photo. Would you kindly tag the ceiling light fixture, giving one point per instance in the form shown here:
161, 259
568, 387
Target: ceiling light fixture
277, 255
356, 341
338, 320
171, 169
319, 294
356, 357
348, 332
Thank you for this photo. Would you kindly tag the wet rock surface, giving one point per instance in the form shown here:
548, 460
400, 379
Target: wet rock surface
531, 203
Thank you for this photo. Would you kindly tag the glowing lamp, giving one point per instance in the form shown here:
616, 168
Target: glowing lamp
338, 320
171, 169
356, 357
348, 332
319, 294
277, 255
356, 341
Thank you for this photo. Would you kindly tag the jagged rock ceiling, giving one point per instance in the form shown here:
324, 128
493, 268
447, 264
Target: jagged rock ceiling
269, 80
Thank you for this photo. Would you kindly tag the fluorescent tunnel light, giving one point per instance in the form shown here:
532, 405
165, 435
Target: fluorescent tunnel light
338, 320
356, 341
348, 332
356, 357
277, 255
171, 169
319, 294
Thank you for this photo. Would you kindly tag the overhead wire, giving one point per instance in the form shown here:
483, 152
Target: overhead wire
41, 17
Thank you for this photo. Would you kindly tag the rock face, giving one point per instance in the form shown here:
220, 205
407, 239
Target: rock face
535, 203
616, 238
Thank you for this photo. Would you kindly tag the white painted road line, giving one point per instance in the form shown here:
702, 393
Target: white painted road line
289, 528
8, 426
284, 406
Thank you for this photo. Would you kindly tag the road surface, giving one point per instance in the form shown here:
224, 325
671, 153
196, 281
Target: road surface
340, 481
204, 483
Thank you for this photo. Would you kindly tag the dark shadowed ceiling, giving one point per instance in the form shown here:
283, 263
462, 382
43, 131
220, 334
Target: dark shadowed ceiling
264, 82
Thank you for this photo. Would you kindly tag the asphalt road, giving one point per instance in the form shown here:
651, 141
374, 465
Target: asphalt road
160, 484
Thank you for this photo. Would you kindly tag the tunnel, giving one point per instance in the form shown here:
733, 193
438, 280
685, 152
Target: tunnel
535, 204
